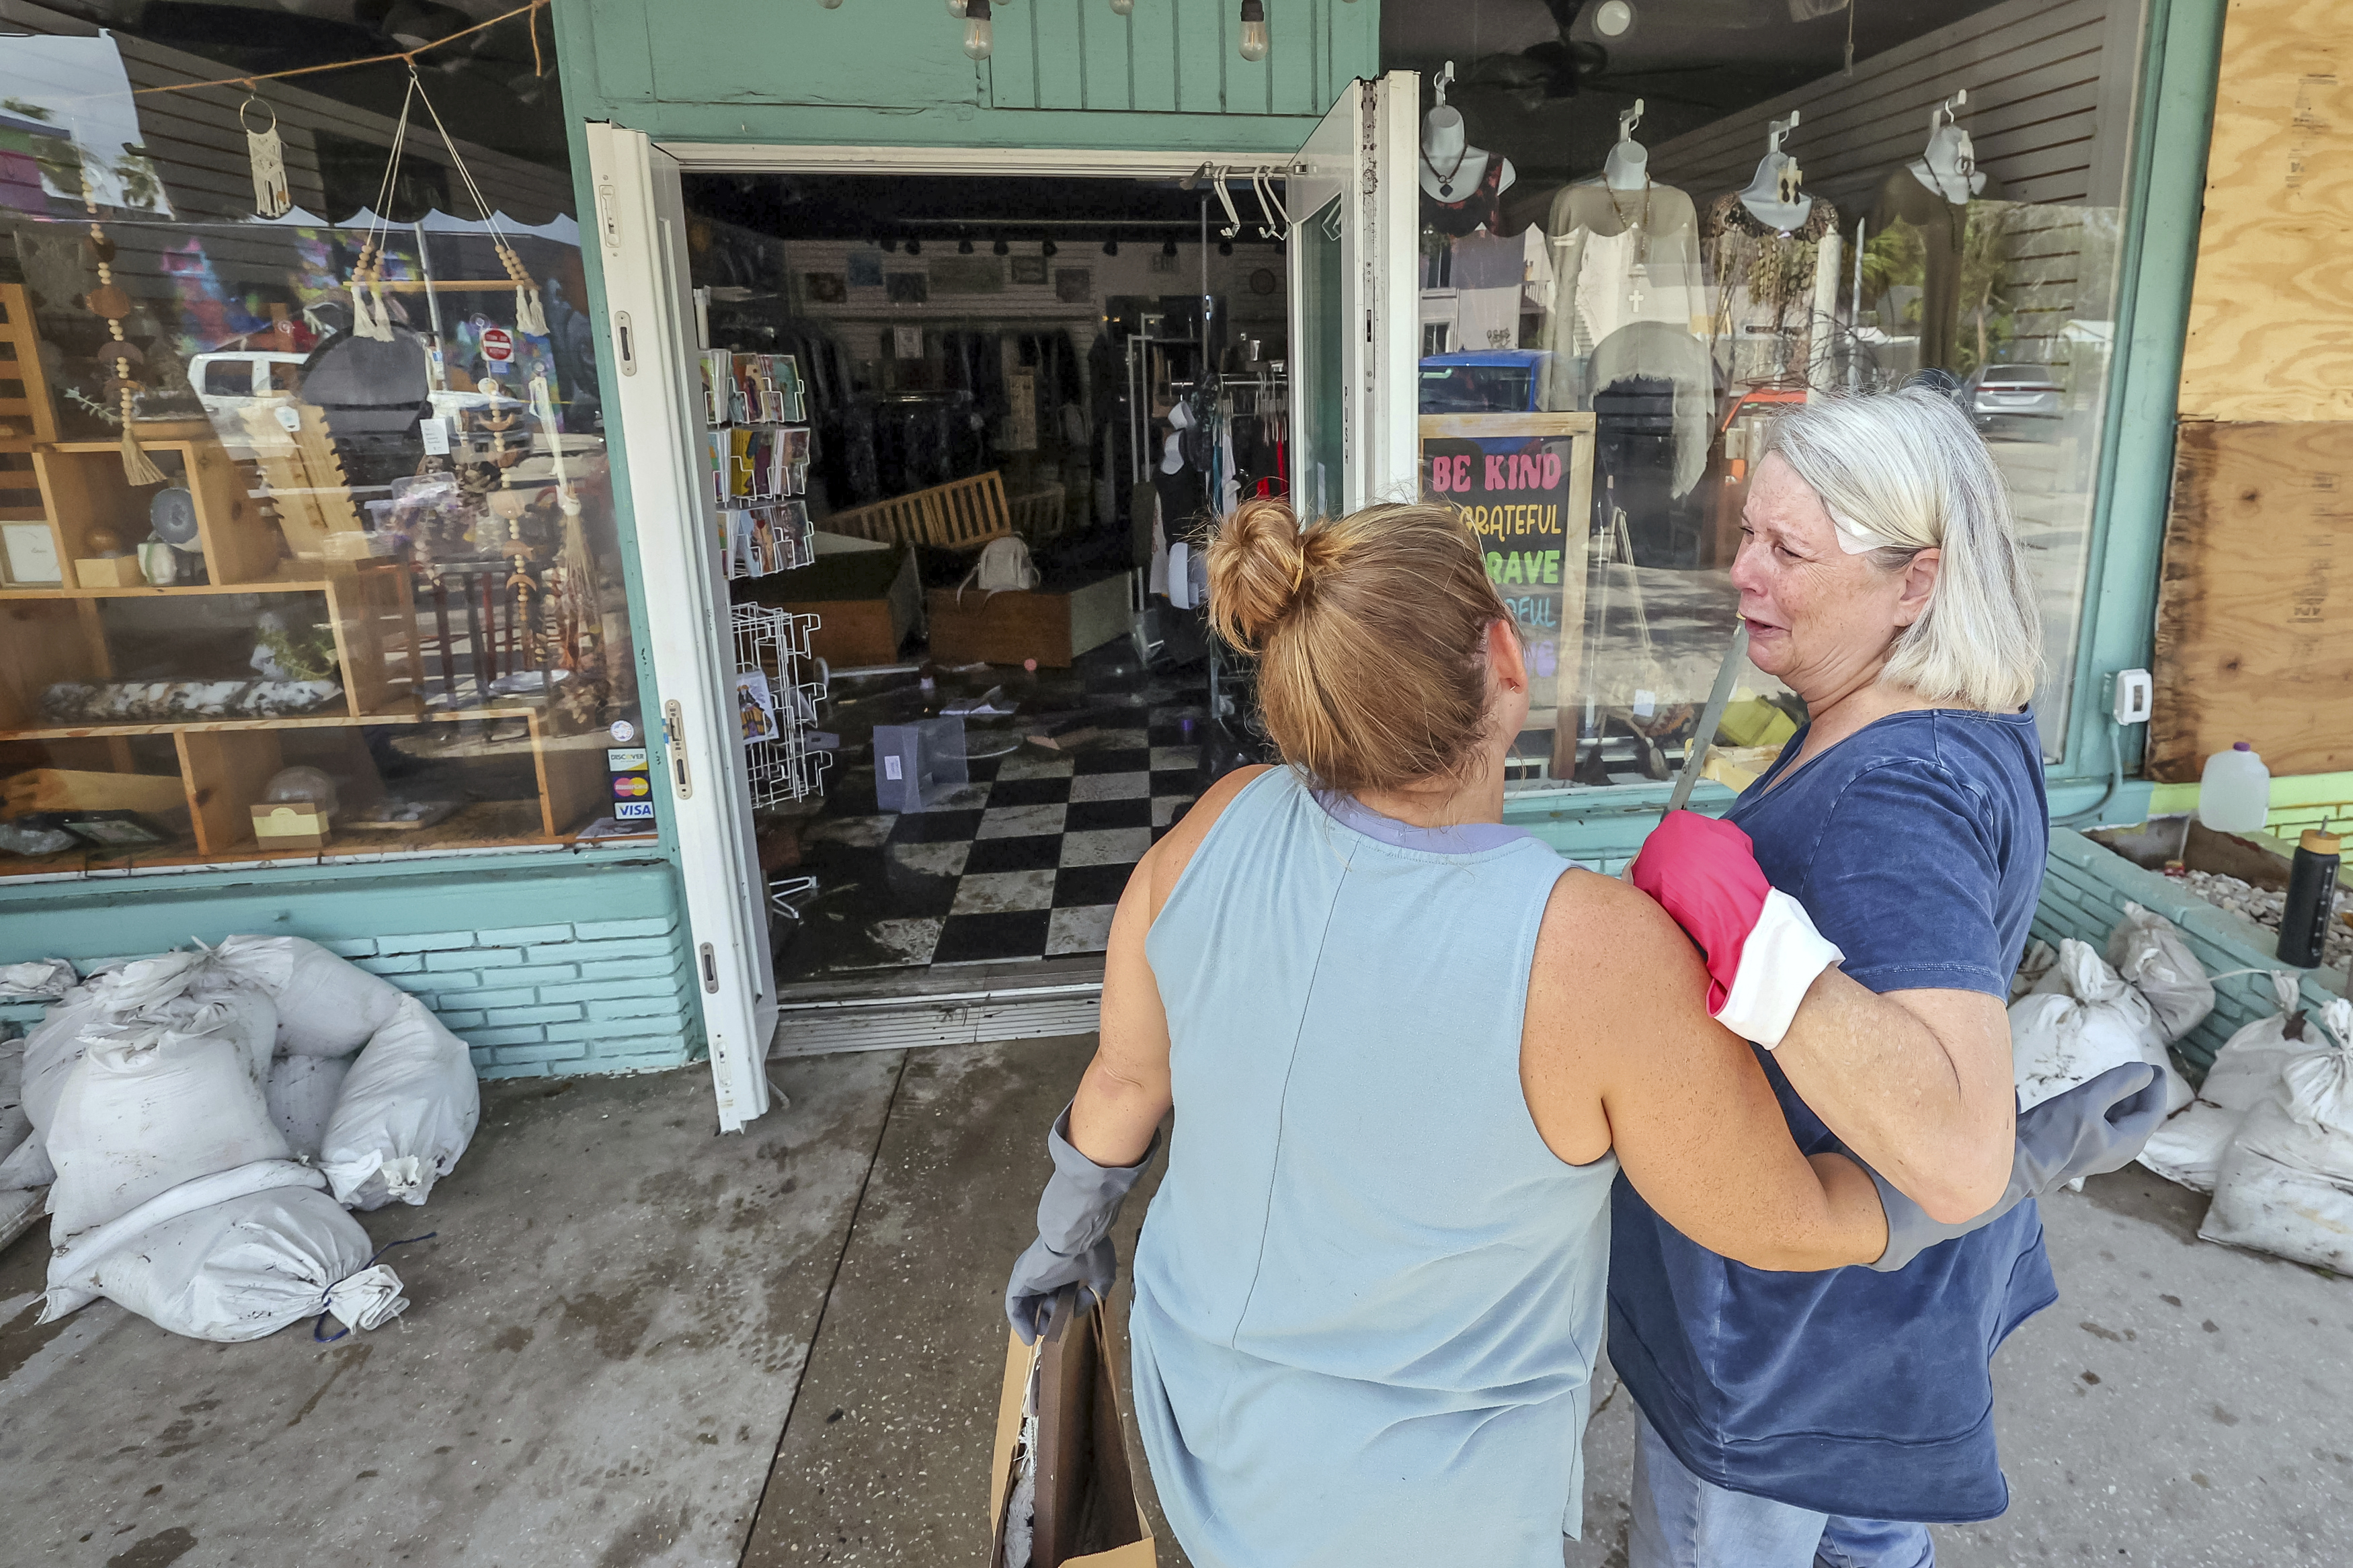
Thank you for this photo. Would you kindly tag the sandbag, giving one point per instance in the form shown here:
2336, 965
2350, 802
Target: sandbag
2062, 1037
2190, 1147
407, 1111
2287, 1186
302, 1096
239, 1268
54, 1046
2149, 953
15, 1126
327, 1007
151, 1105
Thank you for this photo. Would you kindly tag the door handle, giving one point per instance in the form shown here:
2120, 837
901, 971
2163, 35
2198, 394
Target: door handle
624, 346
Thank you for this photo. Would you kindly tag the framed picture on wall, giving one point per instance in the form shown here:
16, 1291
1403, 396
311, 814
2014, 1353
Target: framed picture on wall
865, 270
1029, 269
1074, 285
909, 288
827, 287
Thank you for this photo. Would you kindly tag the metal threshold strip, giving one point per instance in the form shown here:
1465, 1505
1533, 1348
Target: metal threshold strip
955, 1005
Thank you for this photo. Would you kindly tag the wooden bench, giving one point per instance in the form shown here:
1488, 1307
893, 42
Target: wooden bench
963, 514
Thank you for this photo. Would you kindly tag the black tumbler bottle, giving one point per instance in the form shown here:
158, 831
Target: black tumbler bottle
2311, 899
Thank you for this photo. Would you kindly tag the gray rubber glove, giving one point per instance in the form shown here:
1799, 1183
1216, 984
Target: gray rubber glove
1075, 1214
2099, 1125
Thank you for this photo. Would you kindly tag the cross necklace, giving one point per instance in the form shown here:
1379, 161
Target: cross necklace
1640, 272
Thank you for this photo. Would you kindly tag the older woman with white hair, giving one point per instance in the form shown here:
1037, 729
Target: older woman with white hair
1795, 1418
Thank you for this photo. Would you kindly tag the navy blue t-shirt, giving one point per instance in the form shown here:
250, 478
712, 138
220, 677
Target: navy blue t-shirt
1917, 846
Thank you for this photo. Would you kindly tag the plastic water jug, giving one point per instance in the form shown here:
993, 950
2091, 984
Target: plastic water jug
2234, 795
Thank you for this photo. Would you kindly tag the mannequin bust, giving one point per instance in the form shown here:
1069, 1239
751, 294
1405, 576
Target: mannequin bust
1450, 167
1949, 166
1627, 166
1773, 198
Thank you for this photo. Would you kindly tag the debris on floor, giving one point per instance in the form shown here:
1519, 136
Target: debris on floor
204, 1118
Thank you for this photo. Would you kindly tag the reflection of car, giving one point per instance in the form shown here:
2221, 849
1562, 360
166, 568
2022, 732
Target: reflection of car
1484, 381
227, 380
1999, 392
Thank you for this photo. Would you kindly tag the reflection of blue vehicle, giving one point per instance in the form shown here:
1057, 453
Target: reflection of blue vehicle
1484, 381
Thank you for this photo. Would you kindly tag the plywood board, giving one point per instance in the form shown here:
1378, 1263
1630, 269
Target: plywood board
2254, 620
2271, 316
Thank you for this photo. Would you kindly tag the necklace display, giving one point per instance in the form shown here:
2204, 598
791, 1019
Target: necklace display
1446, 179
1640, 227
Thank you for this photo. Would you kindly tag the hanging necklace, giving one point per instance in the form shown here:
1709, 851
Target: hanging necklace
1446, 179
1639, 272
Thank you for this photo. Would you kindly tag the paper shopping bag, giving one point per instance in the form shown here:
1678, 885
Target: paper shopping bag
1057, 1418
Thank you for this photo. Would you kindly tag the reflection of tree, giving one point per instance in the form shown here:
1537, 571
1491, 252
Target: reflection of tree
139, 186
1890, 258
1985, 280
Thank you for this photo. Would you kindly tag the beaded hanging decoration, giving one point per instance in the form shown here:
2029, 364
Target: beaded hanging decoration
109, 300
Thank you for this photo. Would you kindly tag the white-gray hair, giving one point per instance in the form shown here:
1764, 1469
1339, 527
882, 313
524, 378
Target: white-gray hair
1908, 467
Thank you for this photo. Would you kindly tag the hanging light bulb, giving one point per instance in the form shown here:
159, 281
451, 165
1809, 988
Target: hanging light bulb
964, 247
1167, 248
1001, 248
1122, 8
1224, 248
1048, 248
1111, 248
1255, 43
980, 40
891, 242
914, 246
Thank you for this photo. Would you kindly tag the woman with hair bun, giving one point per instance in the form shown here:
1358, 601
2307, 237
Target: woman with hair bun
1409, 1049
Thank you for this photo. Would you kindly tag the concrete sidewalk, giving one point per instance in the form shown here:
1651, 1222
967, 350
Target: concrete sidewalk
636, 1342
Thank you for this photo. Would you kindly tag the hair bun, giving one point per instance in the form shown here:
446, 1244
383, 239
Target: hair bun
1258, 564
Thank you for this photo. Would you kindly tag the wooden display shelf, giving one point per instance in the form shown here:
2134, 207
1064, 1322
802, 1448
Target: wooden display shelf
150, 591
341, 718
83, 488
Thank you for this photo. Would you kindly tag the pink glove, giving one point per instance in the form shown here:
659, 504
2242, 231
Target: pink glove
1762, 949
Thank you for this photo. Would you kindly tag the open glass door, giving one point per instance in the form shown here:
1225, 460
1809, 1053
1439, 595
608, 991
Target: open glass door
640, 222
1354, 316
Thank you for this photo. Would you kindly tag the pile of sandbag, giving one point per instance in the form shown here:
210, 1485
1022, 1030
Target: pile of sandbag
205, 1118
2086, 1014
2271, 1135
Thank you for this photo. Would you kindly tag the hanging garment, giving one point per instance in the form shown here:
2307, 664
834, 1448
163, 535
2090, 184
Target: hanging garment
1475, 210
1773, 288
1922, 241
1659, 355
1494, 276
1618, 258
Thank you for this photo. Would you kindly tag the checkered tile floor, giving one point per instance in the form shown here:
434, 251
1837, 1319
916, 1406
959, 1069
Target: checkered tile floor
1027, 861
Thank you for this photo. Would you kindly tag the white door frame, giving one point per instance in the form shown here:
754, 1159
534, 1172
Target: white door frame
640, 217
658, 403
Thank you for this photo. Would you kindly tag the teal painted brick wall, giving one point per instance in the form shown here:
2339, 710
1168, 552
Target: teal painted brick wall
530, 995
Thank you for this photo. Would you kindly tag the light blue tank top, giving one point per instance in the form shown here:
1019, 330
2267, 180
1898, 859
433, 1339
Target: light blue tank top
1368, 1297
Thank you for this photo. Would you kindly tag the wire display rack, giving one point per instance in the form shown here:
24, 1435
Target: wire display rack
772, 660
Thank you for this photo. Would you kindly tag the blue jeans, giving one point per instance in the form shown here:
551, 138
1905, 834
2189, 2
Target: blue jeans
1682, 1521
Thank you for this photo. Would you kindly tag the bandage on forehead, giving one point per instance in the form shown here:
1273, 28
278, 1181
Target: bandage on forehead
1853, 538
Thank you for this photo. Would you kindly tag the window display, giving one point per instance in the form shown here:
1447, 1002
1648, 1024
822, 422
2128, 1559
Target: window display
309, 548
1691, 223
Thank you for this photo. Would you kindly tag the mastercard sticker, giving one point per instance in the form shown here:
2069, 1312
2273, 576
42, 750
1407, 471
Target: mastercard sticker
631, 786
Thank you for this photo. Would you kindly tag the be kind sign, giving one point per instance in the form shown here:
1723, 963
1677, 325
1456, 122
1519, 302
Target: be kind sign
1523, 483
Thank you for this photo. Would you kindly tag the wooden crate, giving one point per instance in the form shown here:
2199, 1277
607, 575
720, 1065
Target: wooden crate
963, 514
1009, 627
2254, 620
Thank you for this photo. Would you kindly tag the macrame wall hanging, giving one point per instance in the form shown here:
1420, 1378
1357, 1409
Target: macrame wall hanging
267, 153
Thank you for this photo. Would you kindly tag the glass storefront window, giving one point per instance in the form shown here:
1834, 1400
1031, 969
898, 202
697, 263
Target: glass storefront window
1680, 221
294, 566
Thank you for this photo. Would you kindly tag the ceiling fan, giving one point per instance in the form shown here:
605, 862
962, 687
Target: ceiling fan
1564, 68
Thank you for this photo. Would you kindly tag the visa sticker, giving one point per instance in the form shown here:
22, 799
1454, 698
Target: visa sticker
625, 758
634, 811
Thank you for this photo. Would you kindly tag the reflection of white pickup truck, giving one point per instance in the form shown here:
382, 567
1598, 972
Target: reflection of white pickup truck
227, 380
